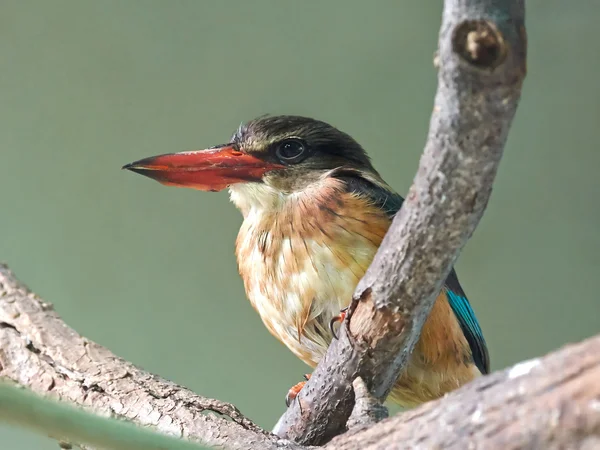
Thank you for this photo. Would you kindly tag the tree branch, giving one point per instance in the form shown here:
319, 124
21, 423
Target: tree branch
545, 403
38, 350
481, 59
551, 402
61, 420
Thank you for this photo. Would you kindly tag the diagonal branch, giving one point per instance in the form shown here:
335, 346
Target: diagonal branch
482, 48
548, 403
38, 350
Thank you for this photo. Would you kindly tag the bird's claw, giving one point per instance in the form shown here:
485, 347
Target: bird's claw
340, 318
295, 390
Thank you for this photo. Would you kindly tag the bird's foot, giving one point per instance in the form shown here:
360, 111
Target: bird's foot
340, 318
295, 390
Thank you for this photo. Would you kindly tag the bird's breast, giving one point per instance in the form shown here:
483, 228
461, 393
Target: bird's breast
301, 263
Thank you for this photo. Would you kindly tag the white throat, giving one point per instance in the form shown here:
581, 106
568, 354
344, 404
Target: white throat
257, 197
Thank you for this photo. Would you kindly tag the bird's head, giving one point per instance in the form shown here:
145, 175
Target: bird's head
266, 159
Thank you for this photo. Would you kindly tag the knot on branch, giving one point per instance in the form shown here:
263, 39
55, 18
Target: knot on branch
479, 43
367, 408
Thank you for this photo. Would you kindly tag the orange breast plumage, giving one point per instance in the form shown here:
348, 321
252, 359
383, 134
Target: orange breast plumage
301, 260
301, 257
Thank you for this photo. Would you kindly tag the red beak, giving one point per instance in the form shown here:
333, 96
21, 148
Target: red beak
207, 170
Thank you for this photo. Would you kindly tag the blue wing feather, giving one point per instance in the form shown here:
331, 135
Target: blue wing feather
468, 322
391, 203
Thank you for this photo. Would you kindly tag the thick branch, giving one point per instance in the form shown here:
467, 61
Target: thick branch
38, 350
74, 426
481, 68
545, 403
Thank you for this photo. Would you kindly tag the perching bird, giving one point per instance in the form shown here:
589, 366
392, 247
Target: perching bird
315, 211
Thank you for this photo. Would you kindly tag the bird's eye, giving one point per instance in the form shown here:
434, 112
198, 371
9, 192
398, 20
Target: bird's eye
291, 151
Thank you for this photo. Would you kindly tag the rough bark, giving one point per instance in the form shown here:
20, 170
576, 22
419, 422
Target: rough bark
38, 350
551, 402
544, 403
481, 59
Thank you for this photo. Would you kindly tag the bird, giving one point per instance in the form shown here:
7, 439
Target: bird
315, 211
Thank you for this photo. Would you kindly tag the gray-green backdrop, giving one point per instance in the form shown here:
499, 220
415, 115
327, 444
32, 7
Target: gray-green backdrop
149, 271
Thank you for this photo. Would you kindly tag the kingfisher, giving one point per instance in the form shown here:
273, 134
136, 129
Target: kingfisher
315, 211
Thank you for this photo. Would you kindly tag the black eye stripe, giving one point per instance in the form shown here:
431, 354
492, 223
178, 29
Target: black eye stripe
291, 151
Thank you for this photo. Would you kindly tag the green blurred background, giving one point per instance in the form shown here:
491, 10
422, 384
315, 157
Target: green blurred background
149, 271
